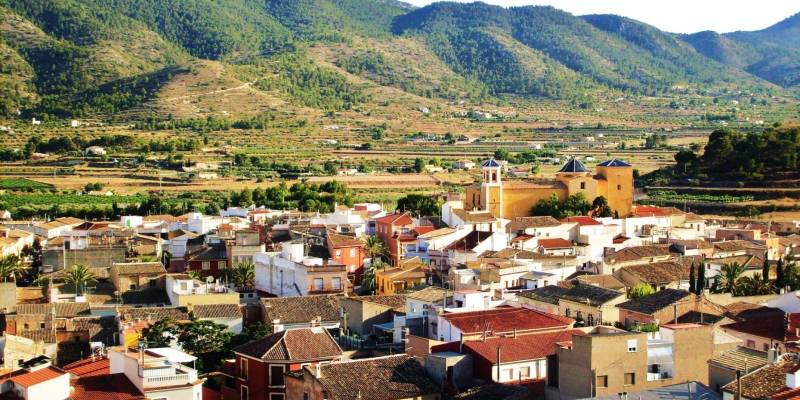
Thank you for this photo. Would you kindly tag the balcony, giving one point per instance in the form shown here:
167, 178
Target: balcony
658, 376
166, 374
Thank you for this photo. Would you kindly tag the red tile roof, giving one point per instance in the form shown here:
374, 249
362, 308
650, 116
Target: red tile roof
767, 327
89, 367
505, 319
582, 220
521, 348
556, 243
421, 230
395, 219
522, 238
29, 379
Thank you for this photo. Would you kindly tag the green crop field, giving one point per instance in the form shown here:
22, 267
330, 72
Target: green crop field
22, 184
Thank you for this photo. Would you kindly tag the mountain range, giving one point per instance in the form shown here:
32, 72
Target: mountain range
106, 57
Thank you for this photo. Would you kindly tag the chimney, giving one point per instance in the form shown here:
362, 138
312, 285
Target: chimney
317, 370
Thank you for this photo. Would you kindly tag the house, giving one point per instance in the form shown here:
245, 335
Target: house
207, 260
95, 151
371, 315
608, 361
261, 365
229, 315
659, 275
396, 377
183, 290
464, 164
723, 368
521, 359
395, 231
301, 312
408, 274
634, 255
469, 247
292, 272
133, 320
556, 247
27, 345
245, 245
666, 306
768, 331
778, 381
422, 307
36, 379
348, 251
468, 325
137, 276
588, 305
13, 241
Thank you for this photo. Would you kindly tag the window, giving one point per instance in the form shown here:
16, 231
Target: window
318, 284
524, 372
766, 347
583, 185
630, 379
245, 395
633, 344
41, 325
352, 252
579, 315
132, 286
153, 282
276, 375
336, 283
305, 395
601, 381
338, 253
276, 396
243, 368
619, 187
751, 344
26, 326
507, 375
206, 265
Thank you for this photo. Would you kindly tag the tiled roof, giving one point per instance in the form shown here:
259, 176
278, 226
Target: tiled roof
741, 359
430, 294
207, 311
139, 268
637, 253
771, 327
396, 302
336, 240
573, 165
293, 345
548, 294
33, 309
521, 223
153, 313
655, 211
505, 319
764, 382
508, 253
44, 335
520, 348
659, 272
741, 310
294, 310
588, 294
613, 163
555, 243
29, 379
655, 302
436, 233
395, 219
474, 217
604, 281
89, 367
383, 378
737, 245
582, 220
108, 387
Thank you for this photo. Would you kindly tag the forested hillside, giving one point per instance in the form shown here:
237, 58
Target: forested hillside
83, 58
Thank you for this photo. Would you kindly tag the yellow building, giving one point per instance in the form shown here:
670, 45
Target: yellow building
515, 198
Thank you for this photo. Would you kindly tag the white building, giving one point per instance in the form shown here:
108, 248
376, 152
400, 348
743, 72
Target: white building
37, 380
159, 373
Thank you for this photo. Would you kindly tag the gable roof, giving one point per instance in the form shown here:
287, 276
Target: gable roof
468, 242
589, 294
295, 310
573, 165
338, 240
395, 219
107, 387
396, 302
582, 220
505, 319
474, 217
655, 302
741, 358
430, 294
209, 311
89, 367
634, 253
659, 272
139, 268
764, 382
548, 294
613, 163
521, 223
521, 347
383, 378
293, 345
29, 379
555, 243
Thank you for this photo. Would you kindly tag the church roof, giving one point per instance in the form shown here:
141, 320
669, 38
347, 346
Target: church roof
490, 163
614, 163
573, 165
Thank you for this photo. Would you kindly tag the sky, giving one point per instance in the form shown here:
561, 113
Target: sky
679, 16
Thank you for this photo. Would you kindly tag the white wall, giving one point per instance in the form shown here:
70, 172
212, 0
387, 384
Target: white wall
510, 372
54, 389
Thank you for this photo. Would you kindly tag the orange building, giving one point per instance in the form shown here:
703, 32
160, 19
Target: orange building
515, 198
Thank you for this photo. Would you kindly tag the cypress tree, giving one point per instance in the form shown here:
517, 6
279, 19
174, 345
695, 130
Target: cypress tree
701, 279
765, 271
692, 281
780, 279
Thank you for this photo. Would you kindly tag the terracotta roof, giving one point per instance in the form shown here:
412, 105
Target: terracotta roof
555, 243
737, 245
107, 387
89, 367
582, 220
604, 281
293, 345
657, 301
637, 253
396, 302
153, 313
771, 327
29, 379
588, 294
383, 378
520, 348
43, 335
521, 223
208, 311
654, 211
505, 319
294, 310
741, 359
508, 253
430, 294
436, 233
659, 272
336, 240
139, 268
474, 217
741, 310
421, 230
395, 219
764, 382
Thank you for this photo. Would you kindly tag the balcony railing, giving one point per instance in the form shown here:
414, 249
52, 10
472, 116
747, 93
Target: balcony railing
180, 375
658, 376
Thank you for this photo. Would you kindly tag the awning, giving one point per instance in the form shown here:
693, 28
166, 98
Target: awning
388, 326
173, 355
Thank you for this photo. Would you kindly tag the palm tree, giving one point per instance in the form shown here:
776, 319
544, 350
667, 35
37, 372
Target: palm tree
368, 280
79, 276
11, 267
755, 286
729, 277
244, 274
375, 248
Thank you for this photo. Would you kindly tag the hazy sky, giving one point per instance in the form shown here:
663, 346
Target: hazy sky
681, 16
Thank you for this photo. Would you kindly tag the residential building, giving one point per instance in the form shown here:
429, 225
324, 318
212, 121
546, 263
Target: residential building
183, 290
261, 365
301, 312
408, 274
36, 379
774, 381
245, 245
397, 377
723, 368
659, 275
348, 251
455, 325
372, 315
667, 306
137, 276
229, 315
209, 259
293, 273
588, 305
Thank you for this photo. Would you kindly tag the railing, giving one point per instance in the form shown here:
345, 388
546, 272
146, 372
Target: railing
658, 376
166, 380
176, 376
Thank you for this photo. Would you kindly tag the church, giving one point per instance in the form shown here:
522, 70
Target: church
515, 198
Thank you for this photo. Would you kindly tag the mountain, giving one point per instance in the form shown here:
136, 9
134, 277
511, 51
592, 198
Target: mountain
110, 58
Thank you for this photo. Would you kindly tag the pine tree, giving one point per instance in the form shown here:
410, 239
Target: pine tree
701, 279
692, 281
